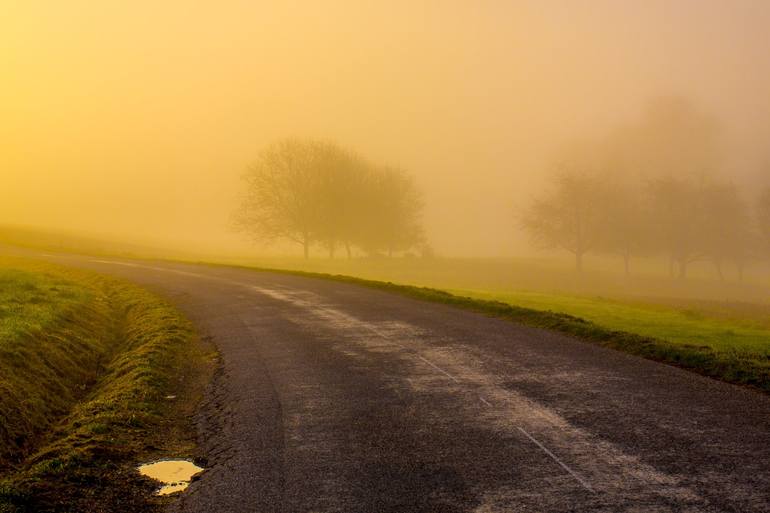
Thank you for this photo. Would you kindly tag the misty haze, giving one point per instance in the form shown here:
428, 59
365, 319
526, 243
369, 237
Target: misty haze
385, 256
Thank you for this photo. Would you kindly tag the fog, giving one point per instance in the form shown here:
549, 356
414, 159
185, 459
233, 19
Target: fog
137, 119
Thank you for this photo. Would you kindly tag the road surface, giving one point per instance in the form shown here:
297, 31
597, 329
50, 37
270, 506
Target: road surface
338, 398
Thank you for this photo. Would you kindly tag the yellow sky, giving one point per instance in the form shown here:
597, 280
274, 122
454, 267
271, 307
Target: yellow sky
137, 118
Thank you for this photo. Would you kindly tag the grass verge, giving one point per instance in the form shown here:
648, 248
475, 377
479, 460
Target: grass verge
87, 364
747, 366
713, 325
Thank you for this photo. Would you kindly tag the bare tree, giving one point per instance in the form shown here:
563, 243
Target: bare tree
700, 219
677, 217
675, 149
569, 216
726, 229
625, 226
763, 219
284, 193
315, 192
392, 211
342, 179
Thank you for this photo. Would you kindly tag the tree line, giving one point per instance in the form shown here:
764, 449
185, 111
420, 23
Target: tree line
317, 193
685, 219
652, 189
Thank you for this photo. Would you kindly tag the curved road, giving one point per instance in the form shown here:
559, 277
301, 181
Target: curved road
338, 398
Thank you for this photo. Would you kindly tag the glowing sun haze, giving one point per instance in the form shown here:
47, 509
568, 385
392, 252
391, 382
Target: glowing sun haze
137, 118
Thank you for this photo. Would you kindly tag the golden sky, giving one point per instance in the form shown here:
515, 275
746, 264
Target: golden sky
137, 118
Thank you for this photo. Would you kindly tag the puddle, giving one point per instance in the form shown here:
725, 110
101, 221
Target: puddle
174, 474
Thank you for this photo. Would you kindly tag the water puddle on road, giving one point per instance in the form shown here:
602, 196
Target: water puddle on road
174, 474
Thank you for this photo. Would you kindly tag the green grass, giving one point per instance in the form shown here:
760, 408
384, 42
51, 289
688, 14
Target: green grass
85, 365
47, 358
31, 302
685, 326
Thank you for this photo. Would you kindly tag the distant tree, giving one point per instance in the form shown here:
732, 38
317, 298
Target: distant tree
315, 192
391, 220
342, 182
676, 207
674, 148
700, 219
286, 191
351, 206
726, 230
625, 226
672, 137
569, 216
763, 220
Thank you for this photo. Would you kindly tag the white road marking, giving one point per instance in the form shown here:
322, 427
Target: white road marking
563, 465
115, 263
557, 460
152, 268
442, 371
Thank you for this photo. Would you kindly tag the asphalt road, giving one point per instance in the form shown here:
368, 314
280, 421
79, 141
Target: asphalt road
338, 398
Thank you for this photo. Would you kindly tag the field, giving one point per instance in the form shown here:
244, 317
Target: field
725, 329
86, 364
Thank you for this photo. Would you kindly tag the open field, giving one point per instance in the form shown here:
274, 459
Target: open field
76, 242
85, 365
548, 273
744, 331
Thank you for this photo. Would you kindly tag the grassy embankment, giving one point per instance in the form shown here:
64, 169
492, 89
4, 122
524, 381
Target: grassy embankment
86, 366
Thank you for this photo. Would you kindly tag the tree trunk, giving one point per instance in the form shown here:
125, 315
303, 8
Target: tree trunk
718, 265
682, 269
579, 240
627, 263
